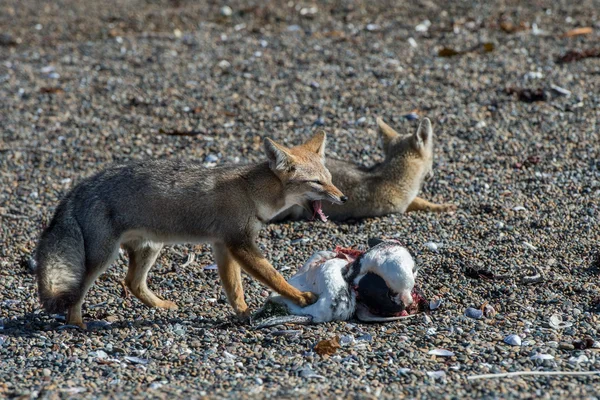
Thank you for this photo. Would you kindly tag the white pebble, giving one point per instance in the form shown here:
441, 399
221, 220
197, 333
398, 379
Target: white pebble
226, 11
423, 26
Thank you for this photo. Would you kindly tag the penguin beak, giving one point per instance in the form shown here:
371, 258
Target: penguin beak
406, 298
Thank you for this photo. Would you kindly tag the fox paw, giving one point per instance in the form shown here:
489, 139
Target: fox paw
307, 299
244, 315
447, 208
168, 304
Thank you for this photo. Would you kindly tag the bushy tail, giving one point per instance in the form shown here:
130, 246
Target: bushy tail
60, 260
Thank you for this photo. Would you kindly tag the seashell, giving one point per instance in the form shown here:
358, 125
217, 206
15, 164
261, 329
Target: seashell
365, 338
431, 331
300, 240
529, 246
535, 278
542, 357
403, 371
556, 322
436, 374
489, 311
287, 332
441, 353
432, 246
435, 304
346, 340
513, 340
474, 313
519, 208
577, 360
101, 354
411, 116
210, 267
136, 360
308, 373
91, 325
560, 90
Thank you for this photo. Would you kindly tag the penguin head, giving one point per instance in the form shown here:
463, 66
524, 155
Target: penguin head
385, 279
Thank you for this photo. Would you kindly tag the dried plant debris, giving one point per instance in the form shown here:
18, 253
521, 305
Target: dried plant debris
576, 55
51, 90
508, 26
482, 273
327, 347
586, 30
486, 47
587, 342
179, 133
528, 95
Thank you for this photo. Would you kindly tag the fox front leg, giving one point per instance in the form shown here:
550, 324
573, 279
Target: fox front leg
253, 262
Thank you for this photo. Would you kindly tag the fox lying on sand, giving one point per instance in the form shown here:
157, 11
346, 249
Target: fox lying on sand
385, 188
141, 206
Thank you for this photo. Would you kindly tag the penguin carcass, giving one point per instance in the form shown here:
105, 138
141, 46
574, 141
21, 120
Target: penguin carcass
377, 285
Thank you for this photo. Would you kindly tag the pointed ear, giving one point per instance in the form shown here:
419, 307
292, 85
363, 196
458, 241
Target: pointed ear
424, 134
279, 156
386, 133
316, 144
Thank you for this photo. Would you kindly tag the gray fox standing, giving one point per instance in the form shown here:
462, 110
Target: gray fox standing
141, 206
388, 187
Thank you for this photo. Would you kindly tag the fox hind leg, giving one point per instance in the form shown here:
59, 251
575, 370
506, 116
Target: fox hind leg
141, 258
93, 270
419, 204
74, 316
230, 273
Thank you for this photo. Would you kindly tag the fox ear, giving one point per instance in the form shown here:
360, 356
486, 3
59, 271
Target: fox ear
279, 157
424, 134
316, 144
387, 134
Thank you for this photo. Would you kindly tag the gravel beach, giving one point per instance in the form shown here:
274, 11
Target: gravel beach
512, 89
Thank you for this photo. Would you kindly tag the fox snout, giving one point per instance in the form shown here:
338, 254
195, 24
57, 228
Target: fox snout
335, 195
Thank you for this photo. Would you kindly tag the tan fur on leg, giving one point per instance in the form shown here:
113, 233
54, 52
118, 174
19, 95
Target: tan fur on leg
257, 266
419, 204
141, 260
230, 273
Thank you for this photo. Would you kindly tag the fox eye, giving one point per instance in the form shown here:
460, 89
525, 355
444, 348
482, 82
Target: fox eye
317, 182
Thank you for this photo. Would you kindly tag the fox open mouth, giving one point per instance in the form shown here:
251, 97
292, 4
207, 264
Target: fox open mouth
317, 210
